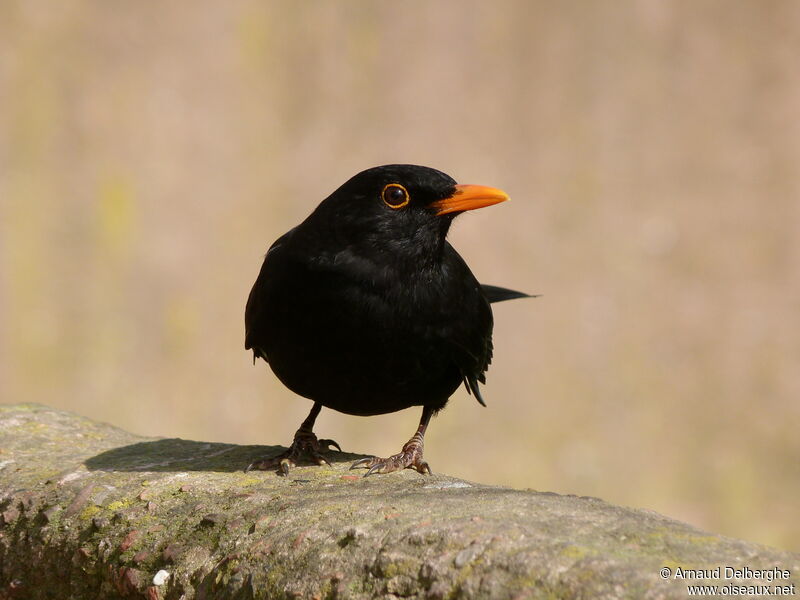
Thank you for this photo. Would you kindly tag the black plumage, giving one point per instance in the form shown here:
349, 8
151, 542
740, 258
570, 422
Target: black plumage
366, 309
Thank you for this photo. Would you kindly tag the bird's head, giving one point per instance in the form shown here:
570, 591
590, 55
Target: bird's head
401, 208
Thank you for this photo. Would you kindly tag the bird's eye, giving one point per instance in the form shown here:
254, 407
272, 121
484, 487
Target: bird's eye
395, 195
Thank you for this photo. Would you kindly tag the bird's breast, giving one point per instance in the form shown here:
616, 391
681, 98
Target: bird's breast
362, 338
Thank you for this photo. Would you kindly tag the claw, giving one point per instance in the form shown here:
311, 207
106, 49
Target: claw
361, 462
328, 443
374, 469
259, 465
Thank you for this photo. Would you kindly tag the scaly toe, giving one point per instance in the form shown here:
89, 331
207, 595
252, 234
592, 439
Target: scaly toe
423, 468
319, 459
266, 464
285, 465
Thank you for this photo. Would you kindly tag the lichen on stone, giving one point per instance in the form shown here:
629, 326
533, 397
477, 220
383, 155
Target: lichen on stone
101, 512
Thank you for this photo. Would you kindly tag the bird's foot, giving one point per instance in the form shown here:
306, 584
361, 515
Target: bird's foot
410, 457
305, 444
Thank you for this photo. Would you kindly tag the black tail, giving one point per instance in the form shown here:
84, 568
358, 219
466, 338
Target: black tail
498, 294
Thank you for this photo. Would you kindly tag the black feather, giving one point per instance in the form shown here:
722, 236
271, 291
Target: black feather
494, 293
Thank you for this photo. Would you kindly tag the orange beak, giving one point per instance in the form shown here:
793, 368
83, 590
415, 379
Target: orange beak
469, 197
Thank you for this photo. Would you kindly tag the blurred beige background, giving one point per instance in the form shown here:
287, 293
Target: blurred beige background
151, 152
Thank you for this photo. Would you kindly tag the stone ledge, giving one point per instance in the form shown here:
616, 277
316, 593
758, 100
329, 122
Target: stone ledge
88, 510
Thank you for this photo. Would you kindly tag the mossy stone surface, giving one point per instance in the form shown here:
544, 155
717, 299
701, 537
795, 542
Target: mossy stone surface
88, 511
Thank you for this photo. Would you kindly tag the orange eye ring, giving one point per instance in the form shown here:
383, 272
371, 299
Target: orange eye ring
395, 196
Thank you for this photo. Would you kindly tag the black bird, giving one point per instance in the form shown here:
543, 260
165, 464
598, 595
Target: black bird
365, 308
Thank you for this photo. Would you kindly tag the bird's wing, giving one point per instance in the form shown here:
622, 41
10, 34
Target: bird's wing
470, 335
494, 293
256, 300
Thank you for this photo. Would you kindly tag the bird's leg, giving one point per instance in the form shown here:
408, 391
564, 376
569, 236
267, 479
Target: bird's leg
305, 444
410, 457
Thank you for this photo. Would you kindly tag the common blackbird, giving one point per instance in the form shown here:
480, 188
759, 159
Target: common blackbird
365, 308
